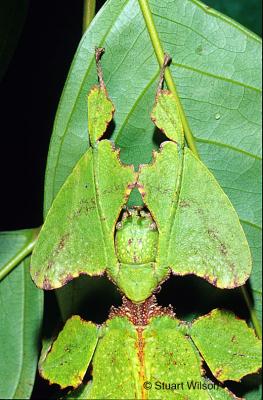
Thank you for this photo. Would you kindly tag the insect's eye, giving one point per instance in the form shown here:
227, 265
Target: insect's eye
136, 238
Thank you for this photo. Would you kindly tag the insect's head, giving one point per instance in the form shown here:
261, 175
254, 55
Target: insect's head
136, 237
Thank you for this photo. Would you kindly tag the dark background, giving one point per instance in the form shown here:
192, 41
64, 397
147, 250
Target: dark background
29, 95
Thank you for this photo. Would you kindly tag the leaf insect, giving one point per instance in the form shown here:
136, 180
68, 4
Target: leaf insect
186, 226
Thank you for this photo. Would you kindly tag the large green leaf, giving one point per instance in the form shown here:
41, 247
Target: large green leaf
21, 305
247, 12
12, 18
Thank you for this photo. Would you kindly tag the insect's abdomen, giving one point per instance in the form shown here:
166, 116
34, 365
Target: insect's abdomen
136, 238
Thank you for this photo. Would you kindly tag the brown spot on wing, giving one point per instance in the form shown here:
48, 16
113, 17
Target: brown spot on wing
67, 279
46, 284
184, 204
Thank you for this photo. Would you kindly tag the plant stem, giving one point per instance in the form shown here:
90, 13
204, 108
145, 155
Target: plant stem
146, 11
252, 312
89, 8
168, 76
25, 251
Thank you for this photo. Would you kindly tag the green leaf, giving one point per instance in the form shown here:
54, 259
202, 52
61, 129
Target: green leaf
254, 237
218, 81
254, 394
247, 12
21, 306
228, 346
78, 234
68, 359
12, 18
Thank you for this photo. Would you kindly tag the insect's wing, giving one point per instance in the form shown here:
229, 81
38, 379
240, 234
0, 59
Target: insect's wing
66, 362
199, 230
206, 236
78, 234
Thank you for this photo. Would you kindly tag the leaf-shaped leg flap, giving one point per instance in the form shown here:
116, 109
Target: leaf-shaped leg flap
206, 237
115, 364
166, 117
78, 234
229, 347
170, 362
100, 113
70, 355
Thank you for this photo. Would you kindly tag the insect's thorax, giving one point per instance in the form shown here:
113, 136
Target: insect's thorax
136, 238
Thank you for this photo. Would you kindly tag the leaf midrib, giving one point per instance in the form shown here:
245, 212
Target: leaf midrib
21, 361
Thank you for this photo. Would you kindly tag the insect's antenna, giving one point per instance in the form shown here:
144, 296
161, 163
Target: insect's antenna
166, 62
98, 54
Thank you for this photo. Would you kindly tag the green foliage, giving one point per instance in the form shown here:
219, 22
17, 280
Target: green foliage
247, 12
21, 306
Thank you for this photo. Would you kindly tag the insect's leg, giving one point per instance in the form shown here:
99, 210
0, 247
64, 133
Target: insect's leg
99, 51
166, 62
165, 114
100, 107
